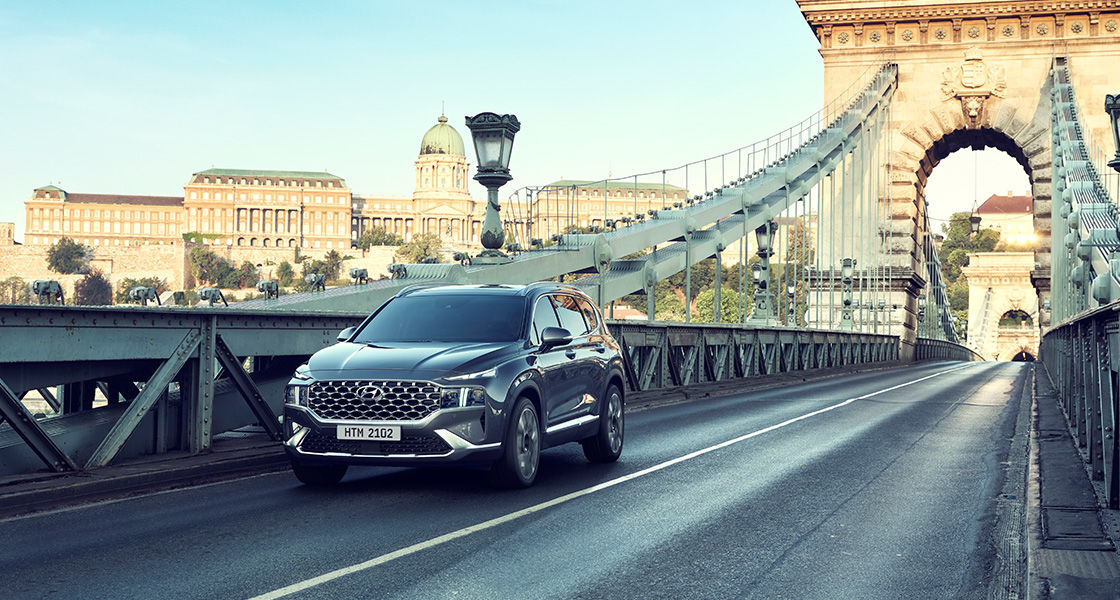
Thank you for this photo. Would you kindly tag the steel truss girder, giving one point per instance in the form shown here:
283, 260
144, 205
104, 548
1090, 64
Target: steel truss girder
247, 388
156, 386
16, 414
678, 354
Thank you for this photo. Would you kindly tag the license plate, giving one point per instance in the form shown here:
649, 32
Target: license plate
372, 433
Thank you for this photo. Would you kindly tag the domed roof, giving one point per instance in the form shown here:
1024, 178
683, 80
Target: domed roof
442, 139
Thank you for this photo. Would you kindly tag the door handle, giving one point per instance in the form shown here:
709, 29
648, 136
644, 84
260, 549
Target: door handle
570, 353
600, 349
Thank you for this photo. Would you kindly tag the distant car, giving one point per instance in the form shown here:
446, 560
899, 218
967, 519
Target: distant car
473, 375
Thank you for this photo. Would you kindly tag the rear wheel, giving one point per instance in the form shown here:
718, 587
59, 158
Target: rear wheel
521, 448
606, 445
318, 475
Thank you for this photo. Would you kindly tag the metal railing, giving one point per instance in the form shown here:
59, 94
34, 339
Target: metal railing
934, 349
1082, 359
663, 355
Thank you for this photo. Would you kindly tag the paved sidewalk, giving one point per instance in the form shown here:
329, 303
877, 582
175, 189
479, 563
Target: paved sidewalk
1072, 539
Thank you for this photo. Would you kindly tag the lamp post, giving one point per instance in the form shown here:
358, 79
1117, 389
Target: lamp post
493, 144
763, 313
921, 311
1112, 107
791, 293
847, 271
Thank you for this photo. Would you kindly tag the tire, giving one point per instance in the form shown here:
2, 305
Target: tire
521, 448
606, 445
318, 475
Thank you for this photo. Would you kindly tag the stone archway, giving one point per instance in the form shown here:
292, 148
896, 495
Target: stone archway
970, 75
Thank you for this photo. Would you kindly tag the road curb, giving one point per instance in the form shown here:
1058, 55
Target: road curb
54, 492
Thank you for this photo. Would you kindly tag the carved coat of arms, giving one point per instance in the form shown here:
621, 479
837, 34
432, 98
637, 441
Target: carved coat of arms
972, 83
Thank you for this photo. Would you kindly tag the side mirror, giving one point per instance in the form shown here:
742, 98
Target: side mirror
552, 337
346, 333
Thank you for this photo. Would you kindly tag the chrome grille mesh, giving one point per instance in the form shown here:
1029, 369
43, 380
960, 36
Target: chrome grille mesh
358, 400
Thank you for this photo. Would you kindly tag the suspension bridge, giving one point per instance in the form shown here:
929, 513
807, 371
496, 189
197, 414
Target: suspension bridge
837, 269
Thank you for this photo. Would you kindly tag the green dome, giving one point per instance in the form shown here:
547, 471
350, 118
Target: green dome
442, 139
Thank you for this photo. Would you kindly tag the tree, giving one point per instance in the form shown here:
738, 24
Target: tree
125, 286
378, 237
14, 290
959, 244
245, 276
729, 305
93, 290
333, 263
422, 246
208, 267
67, 257
285, 273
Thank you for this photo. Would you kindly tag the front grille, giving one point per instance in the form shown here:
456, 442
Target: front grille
411, 443
374, 400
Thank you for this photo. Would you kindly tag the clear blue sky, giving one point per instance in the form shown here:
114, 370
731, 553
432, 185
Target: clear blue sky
133, 97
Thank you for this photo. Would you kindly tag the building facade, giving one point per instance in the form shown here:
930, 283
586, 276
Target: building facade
1012, 216
102, 219
292, 209
7, 234
440, 204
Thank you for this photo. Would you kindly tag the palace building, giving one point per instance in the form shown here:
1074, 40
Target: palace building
266, 208
318, 210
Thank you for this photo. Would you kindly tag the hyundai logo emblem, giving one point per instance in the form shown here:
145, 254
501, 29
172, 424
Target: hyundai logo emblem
371, 393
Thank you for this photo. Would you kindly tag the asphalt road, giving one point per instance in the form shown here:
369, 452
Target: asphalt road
850, 487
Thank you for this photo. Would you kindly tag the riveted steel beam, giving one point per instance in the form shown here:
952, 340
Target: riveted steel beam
247, 388
139, 407
16, 414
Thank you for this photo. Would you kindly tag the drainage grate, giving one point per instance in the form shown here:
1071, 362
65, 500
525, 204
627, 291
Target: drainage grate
1073, 529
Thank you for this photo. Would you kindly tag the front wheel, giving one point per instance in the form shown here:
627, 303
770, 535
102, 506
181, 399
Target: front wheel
606, 445
318, 475
521, 450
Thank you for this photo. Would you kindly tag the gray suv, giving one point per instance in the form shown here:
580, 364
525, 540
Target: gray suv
485, 375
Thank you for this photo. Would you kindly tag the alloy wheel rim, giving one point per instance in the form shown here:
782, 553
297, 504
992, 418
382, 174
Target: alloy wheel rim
614, 422
527, 443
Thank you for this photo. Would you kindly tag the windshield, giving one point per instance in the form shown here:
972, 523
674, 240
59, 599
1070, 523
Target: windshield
447, 318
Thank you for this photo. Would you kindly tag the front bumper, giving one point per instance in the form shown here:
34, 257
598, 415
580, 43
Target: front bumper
456, 435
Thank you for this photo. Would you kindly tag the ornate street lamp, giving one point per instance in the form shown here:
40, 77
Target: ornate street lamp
1112, 107
493, 144
791, 293
763, 312
847, 273
974, 224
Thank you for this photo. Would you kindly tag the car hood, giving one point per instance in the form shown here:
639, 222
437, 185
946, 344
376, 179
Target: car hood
428, 360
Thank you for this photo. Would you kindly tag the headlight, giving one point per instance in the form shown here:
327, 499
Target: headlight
296, 395
478, 375
460, 397
303, 373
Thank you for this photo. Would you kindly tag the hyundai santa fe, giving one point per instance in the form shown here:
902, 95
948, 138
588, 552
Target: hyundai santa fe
481, 375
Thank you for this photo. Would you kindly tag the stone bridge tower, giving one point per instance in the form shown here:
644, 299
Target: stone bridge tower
972, 73
1002, 305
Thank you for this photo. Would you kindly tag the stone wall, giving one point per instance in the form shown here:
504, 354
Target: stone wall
169, 262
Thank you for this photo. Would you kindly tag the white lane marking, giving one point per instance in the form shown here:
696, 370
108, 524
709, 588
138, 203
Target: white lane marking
454, 535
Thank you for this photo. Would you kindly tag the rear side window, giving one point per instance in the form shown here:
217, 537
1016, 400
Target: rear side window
589, 314
571, 318
543, 316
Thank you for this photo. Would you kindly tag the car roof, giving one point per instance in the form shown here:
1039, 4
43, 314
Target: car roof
489, 289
